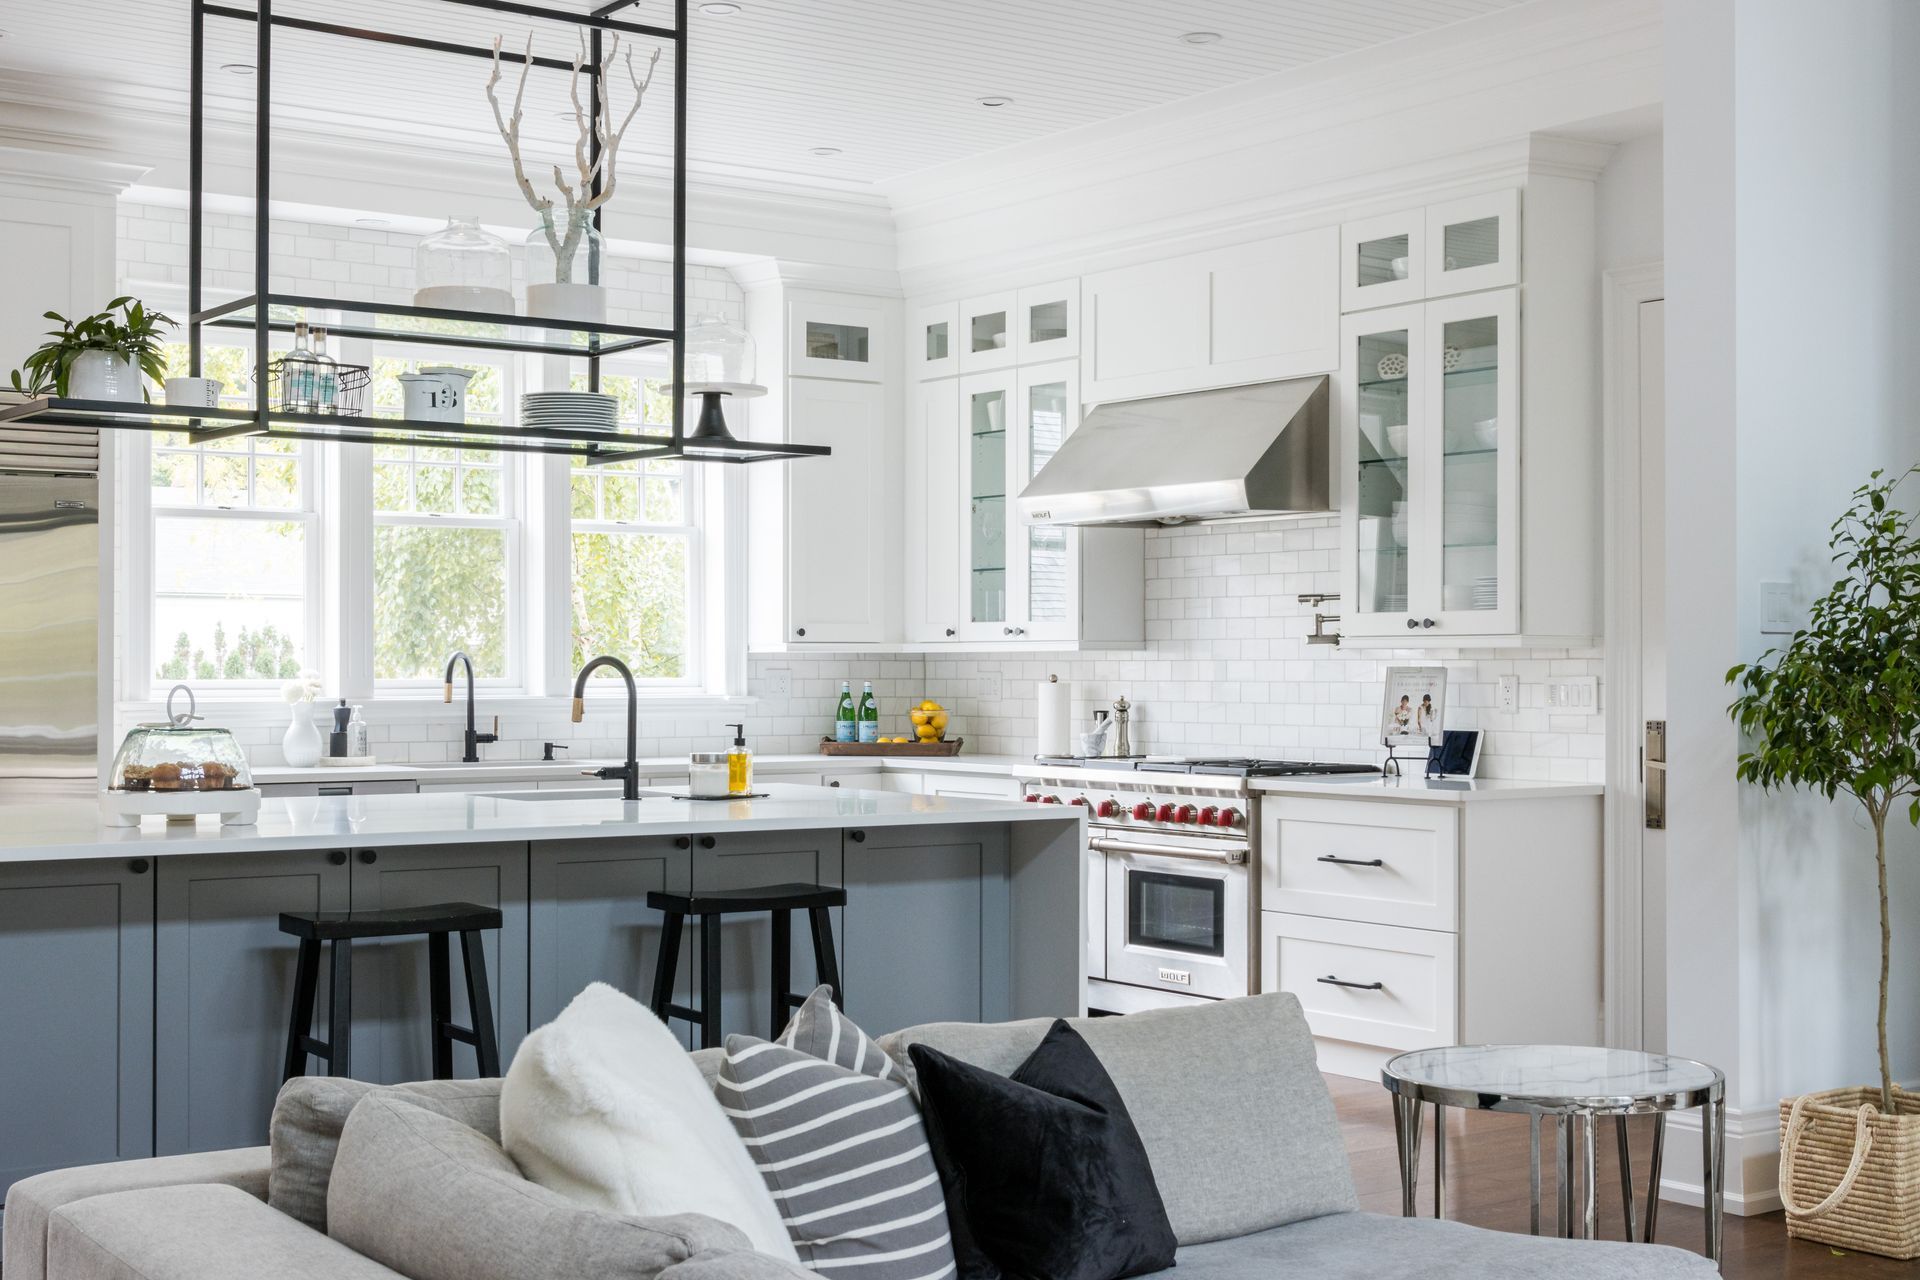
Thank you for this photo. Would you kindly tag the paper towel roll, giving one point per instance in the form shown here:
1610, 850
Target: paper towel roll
1056, 717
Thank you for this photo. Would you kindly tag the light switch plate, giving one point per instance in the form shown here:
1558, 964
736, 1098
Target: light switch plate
1577, 694
1779, 614
779, 683
1509, 694
991, 688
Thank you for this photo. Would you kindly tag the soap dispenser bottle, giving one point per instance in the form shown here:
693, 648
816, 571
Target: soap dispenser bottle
739, 763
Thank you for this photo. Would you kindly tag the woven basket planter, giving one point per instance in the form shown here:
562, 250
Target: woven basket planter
1850, 1176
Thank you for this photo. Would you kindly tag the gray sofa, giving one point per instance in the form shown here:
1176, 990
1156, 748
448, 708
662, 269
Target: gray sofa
1228, 1100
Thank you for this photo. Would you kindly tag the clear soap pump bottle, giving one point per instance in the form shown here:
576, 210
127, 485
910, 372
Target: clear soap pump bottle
739, 763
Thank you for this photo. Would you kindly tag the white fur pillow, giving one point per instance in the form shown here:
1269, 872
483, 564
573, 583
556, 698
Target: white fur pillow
604, 1106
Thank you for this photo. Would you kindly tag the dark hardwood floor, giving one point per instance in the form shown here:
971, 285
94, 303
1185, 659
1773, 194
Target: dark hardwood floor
1487, 1186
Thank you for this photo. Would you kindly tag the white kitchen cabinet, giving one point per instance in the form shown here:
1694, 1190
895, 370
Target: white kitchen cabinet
1430, 437
835, 340
836, 583
1473, 243
986, 508
1383, 260
933, 341
930, 527
990, 332
1245, 313
381, 787
1048, 322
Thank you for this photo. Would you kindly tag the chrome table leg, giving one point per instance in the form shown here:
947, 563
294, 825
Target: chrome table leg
1626, 1174
1533, 1171
1653, 1174
1590, 1152
1406, 1130
1439, 1161
1564, 1154
1713, 1155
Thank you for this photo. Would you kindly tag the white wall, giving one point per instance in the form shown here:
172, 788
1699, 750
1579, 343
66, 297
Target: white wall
1628, 229
1786, 226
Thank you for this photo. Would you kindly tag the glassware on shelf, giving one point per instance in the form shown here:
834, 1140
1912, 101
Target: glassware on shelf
463, 267
563, 268
298, 374
326, 375
719, 354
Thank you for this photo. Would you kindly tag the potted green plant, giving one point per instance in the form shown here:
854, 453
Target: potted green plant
1837, 711
97, 357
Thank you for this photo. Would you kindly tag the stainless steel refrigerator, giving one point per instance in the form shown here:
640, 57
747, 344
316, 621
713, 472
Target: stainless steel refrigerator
49, 612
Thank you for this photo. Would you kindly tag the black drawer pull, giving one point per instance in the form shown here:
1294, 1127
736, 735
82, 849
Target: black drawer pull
706, 842
1332, 981
1351, 862
138, 866
369, 857
683, 842
859, 837
338, 857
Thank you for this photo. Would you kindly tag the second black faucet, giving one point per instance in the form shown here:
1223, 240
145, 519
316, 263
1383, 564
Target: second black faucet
473, 740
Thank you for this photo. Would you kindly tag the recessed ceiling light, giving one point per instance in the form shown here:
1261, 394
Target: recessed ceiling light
1200, 37
719, 9
237, 68
995, 100
823, 151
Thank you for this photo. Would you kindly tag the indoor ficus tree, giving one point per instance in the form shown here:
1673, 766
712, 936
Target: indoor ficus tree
1838, 709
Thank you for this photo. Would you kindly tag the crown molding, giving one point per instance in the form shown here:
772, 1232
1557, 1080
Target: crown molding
59, 169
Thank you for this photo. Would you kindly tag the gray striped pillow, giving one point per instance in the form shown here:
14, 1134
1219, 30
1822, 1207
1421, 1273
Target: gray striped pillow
844, 1152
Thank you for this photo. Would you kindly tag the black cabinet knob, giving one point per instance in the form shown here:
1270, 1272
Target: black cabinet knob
834, 783
683, 842
139, 866
949, 630
1413, 624
1426, 622
799, 631
707, 842
369, 857
338, 857
859, 837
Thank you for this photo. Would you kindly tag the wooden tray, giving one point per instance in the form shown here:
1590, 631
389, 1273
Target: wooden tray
951, 747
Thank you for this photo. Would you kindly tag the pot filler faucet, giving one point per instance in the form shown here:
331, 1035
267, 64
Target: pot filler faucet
628, 773
473, 740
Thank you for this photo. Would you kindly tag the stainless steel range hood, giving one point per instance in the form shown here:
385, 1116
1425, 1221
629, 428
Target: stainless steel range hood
1239, 453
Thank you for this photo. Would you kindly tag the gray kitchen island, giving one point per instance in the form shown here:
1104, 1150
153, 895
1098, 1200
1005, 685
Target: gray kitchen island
145, 984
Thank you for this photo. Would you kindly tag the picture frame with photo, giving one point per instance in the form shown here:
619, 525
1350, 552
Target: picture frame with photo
1412, 713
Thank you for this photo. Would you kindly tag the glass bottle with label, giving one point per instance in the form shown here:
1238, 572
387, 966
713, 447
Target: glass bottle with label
299, 374
869, 714
326, 388
739, 763
844, 719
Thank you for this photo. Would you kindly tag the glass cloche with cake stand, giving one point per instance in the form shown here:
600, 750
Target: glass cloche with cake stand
181, 769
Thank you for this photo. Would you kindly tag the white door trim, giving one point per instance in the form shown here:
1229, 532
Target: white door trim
1623, 290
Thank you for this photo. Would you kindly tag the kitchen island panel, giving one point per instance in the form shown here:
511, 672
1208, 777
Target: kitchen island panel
390, 1008
223, 989
76, 1015
748, 859
588, 918
925, 938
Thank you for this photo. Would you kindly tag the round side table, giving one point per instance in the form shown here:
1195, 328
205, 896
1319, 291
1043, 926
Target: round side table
1576, 1085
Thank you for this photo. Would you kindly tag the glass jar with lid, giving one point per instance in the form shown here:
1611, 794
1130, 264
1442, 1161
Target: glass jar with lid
180, 768
719, 355
463, 267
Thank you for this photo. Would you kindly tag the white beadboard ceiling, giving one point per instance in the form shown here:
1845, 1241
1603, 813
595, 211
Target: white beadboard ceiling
892, 83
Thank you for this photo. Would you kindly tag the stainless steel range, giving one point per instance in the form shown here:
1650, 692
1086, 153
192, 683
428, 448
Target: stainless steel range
1172, 871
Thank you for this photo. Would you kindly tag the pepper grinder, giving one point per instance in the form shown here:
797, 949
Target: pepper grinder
1122, 747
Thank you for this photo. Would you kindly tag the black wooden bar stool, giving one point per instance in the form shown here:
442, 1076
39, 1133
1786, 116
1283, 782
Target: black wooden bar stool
340, 929
711, 907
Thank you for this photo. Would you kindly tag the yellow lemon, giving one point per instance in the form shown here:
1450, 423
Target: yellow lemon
919, 716
939, 721
929, 705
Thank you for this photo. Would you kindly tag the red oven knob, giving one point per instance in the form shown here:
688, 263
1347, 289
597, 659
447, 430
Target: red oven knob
1164, 813
1209, 816
1079, 800
1050, 800
1185, 813
1033, 797
1108, 809
1228, 818
1143, 812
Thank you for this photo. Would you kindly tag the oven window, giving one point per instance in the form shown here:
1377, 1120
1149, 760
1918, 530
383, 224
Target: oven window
1177, 913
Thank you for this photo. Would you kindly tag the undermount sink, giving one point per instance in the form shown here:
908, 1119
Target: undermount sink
543, 766
570, 793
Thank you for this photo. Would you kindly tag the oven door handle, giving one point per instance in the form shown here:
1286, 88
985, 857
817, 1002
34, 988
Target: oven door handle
1231, 857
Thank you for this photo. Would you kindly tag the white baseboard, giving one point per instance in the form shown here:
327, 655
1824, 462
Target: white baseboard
1753, 1161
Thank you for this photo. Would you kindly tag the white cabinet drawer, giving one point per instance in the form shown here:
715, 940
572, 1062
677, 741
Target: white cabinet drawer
1394, 864
1415, 1004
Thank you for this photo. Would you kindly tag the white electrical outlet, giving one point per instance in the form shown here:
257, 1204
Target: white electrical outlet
991, 689
1509, 693
779, 683
1580, 694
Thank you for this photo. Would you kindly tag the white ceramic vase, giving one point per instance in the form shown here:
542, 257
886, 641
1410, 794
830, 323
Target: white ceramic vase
102, 375
301, 742
581, 303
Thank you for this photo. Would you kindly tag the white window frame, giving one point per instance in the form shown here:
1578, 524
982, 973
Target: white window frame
142, 516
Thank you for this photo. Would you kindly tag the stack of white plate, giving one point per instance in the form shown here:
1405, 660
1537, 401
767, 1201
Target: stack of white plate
569, 410
1486, 592
1470, 518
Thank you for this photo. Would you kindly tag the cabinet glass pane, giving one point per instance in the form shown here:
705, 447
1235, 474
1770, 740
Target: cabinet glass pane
1046, 544
1381, 543
937, 338
1471, 438
1381, 261
988, 332
1472, 244
987, 496
1047, 322
837, 342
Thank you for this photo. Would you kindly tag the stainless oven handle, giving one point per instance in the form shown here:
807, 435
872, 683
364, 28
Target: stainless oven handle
1231, 857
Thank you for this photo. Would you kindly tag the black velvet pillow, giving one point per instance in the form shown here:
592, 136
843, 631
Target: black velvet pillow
1044, 1173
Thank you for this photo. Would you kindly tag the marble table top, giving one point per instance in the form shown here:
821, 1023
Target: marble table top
1551, 1078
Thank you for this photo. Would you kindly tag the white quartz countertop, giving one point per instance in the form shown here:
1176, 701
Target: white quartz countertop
565, 769
1418, 790
62, 830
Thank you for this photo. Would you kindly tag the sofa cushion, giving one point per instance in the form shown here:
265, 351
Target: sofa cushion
1371, 1246
844, 1152
1227, 1097
1044, 1172
436, 1200
311, 1110
819, 1030
604, 1106
734, 1264
203, 1232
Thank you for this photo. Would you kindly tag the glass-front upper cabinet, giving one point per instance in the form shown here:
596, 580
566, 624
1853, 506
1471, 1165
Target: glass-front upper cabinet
1383, 261
1473, 243
834, 341
1049, 322
1430, 431
986, 403
989, 332
933, 341
1046, 562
